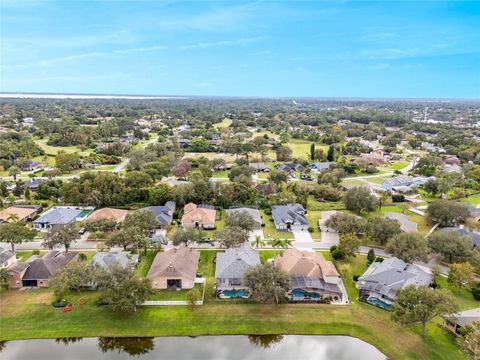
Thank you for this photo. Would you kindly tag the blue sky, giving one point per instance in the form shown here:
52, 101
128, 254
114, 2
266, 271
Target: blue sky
262, 48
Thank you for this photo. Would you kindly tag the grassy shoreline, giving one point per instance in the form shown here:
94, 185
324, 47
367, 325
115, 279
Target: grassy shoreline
29, 315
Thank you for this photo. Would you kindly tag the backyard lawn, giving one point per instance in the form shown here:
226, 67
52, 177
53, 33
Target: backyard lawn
28, 314
172, 295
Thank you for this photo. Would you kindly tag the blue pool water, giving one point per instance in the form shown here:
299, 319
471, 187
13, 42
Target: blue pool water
235, 293
299, 293
379, 303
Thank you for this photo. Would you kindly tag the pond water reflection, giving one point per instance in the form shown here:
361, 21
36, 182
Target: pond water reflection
253, 347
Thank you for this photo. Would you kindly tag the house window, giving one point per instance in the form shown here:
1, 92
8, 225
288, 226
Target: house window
235, 282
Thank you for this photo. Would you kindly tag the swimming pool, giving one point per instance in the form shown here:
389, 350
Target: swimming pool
302, 294
84, 213
379, 303
235, 293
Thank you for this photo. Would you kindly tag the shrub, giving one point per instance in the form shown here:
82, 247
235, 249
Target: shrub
268, 211
476, 291
311, 229
338, 254
355, 277
60, 303
398, 198
36, 252
379, 259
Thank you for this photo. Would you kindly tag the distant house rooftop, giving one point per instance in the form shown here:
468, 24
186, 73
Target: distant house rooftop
473, 235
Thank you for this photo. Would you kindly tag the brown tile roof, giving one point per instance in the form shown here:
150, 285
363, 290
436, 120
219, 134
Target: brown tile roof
307, 263
106, 213
194, 214
181, 262
21, 212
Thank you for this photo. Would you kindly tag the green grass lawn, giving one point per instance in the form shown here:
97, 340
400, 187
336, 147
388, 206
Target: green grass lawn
399, 165
172, 295
313, 217
225, 123
28, 314
106, 167
221, 174
473, 199
269, 230
376, 180
53, 150
301, 148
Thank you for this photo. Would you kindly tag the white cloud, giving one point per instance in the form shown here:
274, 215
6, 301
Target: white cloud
140, 49
242, 41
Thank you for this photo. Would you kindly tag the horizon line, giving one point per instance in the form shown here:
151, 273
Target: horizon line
106, 96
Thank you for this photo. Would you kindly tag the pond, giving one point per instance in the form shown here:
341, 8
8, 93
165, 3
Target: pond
252, 347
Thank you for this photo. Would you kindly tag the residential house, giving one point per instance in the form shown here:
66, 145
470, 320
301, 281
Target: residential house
431, 147
375, 158
318, 167
32, 165
164, 214
108, 213
403, 183
108, 259
406, 224
457, 321
230, 269
259, 167
290, 217
61, 215
7, 258
381, 281
473, 212
174, 269
473, 235
35, 183
201, 216
20, 213
37, 270
252, 211
452, 169
451, 160
312, 277
290, 168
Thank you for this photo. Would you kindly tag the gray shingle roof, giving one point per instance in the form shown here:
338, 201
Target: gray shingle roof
234, 262
164, 214
468, 316
386, 277
5, 255
254, 213
293, 214
59, 216
108, 259
43, 267
474, 236
320, 166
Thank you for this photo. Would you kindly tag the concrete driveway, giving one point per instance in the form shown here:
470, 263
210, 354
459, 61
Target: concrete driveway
253, 234
302, 236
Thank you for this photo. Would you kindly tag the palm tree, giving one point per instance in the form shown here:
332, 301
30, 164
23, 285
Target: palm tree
258, 242
281, 244
13, 218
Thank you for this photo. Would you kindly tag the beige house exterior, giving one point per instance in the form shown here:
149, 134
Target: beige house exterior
174, 269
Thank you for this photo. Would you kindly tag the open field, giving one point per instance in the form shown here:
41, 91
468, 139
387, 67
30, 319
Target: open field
54, 150
301, 148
